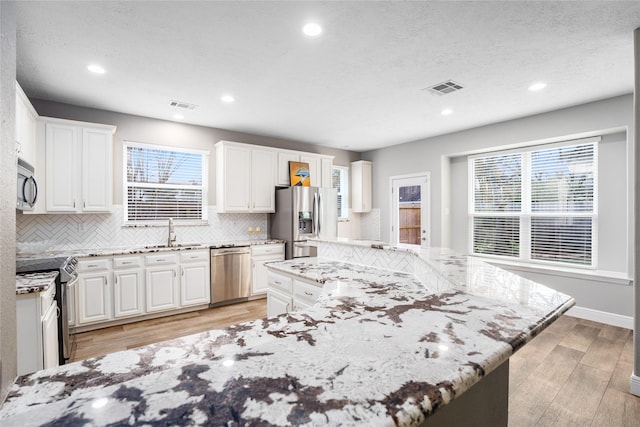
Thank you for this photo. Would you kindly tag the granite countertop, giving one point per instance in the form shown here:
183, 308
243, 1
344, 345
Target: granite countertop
378, 348
93, 252
30, 283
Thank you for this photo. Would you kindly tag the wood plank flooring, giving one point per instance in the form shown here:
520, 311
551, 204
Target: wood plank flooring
575, 373
123, 337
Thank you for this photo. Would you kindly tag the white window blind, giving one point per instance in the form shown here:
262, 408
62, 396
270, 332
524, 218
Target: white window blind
164, 182
340, 180
538, 204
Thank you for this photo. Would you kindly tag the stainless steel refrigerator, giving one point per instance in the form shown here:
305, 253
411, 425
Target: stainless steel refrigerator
303, 213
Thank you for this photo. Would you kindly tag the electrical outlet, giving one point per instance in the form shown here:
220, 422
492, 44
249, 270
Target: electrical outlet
81, 227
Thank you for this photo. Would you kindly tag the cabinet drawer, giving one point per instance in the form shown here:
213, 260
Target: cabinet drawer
194, 256
127, 262
161, 258
306, 291
280, 282
267, 250
93, 264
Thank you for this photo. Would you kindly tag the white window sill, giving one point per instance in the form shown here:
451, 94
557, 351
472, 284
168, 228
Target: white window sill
613, 277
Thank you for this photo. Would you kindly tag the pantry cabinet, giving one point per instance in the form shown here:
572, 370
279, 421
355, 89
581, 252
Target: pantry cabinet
79, 166
361, 186
245, 178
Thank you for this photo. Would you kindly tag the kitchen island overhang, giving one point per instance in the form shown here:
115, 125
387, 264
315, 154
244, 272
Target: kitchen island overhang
379, 348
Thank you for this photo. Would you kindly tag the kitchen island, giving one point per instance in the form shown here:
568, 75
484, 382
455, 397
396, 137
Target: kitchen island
380, 347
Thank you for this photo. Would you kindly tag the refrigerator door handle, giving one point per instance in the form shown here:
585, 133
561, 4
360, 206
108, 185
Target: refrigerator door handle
315, 214
319, 215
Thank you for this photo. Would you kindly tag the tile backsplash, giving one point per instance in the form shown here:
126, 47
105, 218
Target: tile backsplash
90, 231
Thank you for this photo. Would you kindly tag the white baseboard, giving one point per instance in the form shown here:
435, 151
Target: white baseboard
602, 317
635, 385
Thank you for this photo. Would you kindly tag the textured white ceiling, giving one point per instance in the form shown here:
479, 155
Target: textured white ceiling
358, 86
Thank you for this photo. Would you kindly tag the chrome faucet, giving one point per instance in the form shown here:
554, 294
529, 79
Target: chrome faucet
171, 240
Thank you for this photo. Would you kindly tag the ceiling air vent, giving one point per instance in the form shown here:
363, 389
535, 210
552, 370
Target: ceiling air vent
180, 104
444, 88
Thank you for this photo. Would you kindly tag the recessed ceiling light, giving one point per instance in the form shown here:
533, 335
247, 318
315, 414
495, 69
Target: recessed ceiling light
96, 69
537, 86
312, 29
178, 116
446, 111
227, 98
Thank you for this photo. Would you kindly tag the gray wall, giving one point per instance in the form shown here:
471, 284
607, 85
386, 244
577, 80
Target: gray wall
162, 132
445, 157
7, 197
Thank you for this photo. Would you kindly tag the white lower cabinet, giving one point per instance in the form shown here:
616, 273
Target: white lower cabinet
162, 289
94, 290
287, 293
128, 292
128, 286
37, 331
194, 278
261, 254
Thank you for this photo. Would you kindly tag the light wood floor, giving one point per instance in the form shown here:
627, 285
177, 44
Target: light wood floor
123, 337
576, 373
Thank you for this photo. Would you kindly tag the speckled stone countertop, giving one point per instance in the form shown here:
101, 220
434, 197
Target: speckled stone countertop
378, 348
30, 283
92, 252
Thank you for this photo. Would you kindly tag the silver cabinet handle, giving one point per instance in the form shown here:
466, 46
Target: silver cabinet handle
287, 308
126, 262
308, 293
92, 265
104, 279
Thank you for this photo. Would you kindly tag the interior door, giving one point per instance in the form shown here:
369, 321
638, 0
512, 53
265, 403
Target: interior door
410, 204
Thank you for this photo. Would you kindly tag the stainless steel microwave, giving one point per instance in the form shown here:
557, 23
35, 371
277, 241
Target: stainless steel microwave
27, 187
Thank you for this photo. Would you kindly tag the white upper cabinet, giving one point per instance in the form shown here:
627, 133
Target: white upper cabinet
26, 117
361, 186
319, 167
245, 176
79, 166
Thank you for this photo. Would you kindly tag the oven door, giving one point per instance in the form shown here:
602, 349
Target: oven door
68, 299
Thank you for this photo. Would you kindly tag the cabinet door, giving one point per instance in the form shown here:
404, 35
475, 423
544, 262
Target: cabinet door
259, 277
237, 179
97, 170
128, 293
50, 337
315, 168
61, 167
94, 296
263, 164
161, 288
327, 173
71, 303
284, 157
195, 284
277, 303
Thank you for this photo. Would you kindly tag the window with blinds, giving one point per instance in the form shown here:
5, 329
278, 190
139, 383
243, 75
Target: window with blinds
340, 181
164, 182
537, 204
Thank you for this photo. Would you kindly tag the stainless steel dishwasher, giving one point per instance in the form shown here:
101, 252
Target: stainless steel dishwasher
230, 274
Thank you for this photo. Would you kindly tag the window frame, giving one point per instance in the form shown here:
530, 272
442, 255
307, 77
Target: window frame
204, 220
344, 178
526, 214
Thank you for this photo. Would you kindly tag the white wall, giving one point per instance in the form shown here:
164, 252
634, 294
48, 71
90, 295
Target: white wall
7, 197
444, 156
